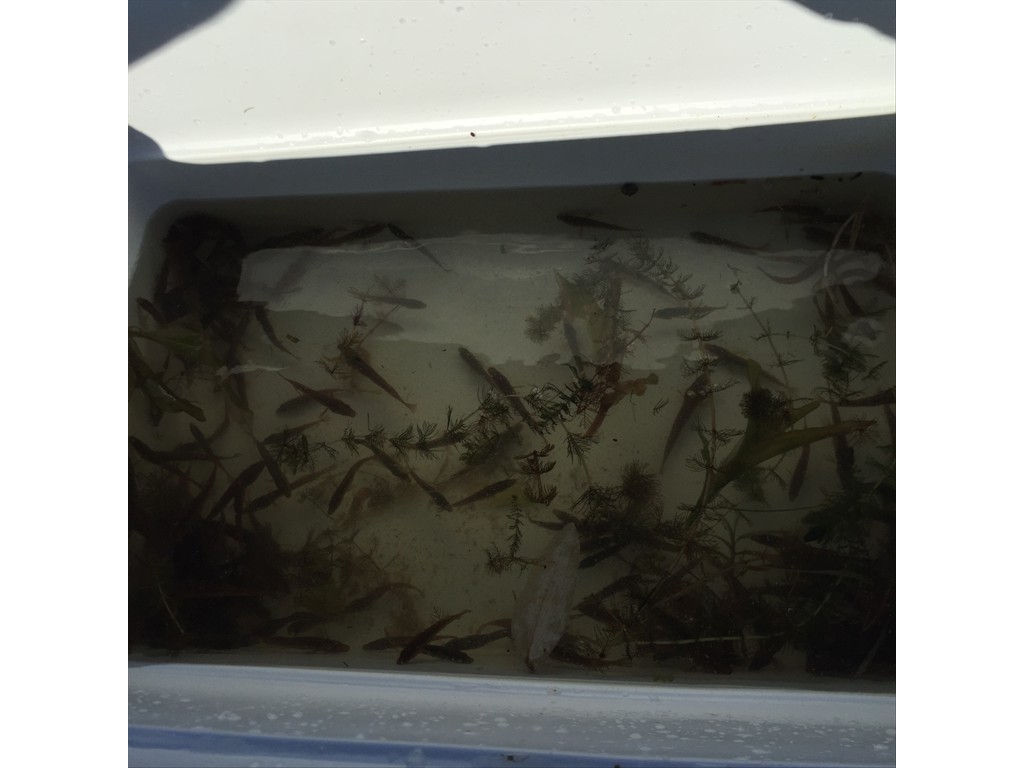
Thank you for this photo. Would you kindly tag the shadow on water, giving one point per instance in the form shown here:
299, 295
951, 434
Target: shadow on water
153, 23
880, 14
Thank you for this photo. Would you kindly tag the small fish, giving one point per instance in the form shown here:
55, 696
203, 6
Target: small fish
274, 625
395, 300
343, 487
389, 463
278, 439
475, 365
310, 236
308, 644
794, 209
694, 396
359, 498
413, 242
886, 396
796, 482
890, 417
191, 453
364, 602
191, 348
194, 509
571, 338
415, 645
706, 239
732, 358
547, 524
691, 313
603, 554
564, 653
264, 321
245, 478
152, 310
853, 306
587, 223
384, 327
820, 235
204, 443
816, 266
446, 653
288, 406
617, 391
307, 620
478, 641
489, 448
485, 493
437, 497
357, 363
386, 643
161, 396
505, 386
622, 584
332, 404
264, 501
363, 233
224, 372
275, 470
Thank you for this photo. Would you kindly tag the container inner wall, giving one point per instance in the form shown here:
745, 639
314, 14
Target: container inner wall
357, 423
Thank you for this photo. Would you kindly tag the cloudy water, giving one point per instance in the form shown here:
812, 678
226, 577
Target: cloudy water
641, 433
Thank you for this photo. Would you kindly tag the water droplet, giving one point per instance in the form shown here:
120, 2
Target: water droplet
331, 42
616, 109
197, 122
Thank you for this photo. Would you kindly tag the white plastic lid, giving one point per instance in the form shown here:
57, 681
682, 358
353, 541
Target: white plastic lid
273, 80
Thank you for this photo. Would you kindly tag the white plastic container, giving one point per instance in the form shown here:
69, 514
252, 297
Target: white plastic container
431, 98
